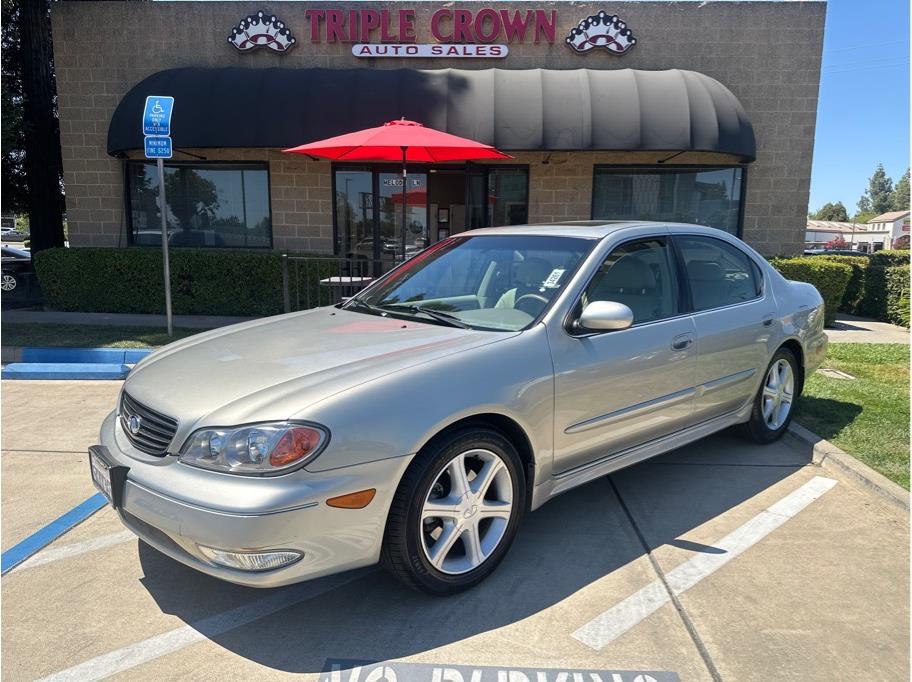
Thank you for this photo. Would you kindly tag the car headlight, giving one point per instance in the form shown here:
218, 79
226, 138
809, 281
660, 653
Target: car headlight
258, 449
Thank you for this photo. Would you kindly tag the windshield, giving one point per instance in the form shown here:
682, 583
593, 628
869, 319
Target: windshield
497, 282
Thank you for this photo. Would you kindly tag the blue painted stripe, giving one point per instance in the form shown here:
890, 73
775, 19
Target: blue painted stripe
85, 355
60, 370
16, 554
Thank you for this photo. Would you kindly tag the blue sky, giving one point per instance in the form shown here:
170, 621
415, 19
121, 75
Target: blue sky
863, 113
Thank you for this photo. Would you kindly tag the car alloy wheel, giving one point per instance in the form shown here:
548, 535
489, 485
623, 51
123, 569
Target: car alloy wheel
467, 511
8, 282
778, 394
456, 511
771, 411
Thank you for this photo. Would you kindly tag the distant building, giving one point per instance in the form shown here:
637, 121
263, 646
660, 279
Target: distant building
864, 237
896, 223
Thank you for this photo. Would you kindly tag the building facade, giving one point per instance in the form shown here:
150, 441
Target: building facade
697, 112
862, 237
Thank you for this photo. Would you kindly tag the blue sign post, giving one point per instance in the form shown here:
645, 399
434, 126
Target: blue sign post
156, 127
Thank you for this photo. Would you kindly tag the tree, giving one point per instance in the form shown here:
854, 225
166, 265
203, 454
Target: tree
42, 162
14, 192
900, 197
838, 243
878, 197
829, 211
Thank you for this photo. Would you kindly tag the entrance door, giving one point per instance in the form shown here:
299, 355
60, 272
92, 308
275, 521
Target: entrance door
396, 242
369, 227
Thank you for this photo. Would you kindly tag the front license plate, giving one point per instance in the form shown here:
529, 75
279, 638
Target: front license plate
107, 477
101, 476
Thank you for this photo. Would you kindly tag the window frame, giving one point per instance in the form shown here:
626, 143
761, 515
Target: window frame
682, 303
227, 165
641, 169
685, 279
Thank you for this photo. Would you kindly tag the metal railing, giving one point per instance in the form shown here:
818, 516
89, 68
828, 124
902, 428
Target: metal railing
314, 281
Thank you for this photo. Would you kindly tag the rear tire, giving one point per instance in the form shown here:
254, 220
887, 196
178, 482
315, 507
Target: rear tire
774, 402
447, 532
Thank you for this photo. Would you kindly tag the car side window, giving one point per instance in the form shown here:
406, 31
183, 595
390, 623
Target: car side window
641, 276
719, 274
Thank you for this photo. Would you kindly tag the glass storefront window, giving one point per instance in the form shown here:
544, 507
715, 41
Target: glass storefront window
209, 205
709, 197
508, 196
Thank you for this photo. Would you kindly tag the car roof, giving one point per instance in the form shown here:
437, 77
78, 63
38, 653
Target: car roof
589, 229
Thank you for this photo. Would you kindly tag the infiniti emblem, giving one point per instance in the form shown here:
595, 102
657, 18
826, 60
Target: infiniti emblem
135, 424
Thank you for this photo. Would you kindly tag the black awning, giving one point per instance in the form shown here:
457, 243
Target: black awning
514, 110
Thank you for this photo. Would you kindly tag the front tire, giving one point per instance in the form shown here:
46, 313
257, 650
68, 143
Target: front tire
455, 512
773, 405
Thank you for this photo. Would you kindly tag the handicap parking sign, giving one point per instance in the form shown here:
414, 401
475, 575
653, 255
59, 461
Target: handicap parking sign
158, 147
157, 115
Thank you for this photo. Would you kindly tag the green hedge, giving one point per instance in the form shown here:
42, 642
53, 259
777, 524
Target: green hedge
897, 279
851, 299
874, 301
889, 257
203, 281
829, 277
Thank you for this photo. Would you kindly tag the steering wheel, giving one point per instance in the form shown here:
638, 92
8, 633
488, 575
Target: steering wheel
534, 304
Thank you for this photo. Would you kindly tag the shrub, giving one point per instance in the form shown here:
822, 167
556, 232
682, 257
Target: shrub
855, 288
874, 301
830, 279
888, 257
203, 281
897, 280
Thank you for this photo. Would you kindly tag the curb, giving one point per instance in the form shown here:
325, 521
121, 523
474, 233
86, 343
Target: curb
63, 371
825, 454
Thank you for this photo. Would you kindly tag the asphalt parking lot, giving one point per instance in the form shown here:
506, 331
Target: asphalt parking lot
721, 560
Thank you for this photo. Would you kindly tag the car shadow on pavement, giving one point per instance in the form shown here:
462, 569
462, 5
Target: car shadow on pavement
572, 542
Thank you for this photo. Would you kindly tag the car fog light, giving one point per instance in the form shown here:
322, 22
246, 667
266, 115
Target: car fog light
251, 561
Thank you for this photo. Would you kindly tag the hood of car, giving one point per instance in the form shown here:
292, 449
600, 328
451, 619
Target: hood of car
273, 368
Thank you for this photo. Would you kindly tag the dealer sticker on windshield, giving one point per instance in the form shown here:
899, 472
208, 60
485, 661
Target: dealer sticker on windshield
553, 280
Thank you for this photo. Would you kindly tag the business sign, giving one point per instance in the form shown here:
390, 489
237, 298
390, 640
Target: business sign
458, 33
262, 30
601, 31
429, 50
157, 115
158, 147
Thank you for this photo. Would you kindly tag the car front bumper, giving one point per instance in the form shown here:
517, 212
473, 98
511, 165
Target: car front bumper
238, 513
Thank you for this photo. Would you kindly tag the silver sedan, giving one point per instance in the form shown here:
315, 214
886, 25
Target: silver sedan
417, 423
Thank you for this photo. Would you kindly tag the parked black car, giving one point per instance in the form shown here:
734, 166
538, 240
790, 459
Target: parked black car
17, 281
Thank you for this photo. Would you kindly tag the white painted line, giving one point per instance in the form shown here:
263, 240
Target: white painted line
605, 628
57, 553
132, 655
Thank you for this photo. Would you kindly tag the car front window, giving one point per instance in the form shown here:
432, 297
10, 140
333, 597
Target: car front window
495, 282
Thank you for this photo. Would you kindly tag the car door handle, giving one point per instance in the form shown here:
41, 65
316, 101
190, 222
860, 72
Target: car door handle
681, 341
768, 319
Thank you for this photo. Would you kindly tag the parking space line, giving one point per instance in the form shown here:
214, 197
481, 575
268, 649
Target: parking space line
605, 628
18, 553
57, 553
149, 649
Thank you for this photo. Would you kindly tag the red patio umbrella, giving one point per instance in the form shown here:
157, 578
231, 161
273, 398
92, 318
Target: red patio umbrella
400, 140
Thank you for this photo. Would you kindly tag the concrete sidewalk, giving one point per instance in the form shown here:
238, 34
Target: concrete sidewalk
853, 329
116, 319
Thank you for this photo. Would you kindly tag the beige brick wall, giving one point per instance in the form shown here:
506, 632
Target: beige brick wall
767, 54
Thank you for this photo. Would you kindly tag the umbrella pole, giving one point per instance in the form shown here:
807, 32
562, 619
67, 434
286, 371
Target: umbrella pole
404, 176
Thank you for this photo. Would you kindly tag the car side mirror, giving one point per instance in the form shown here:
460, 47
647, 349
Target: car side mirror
605, 316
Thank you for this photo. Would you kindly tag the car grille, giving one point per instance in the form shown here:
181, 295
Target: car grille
155, 429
